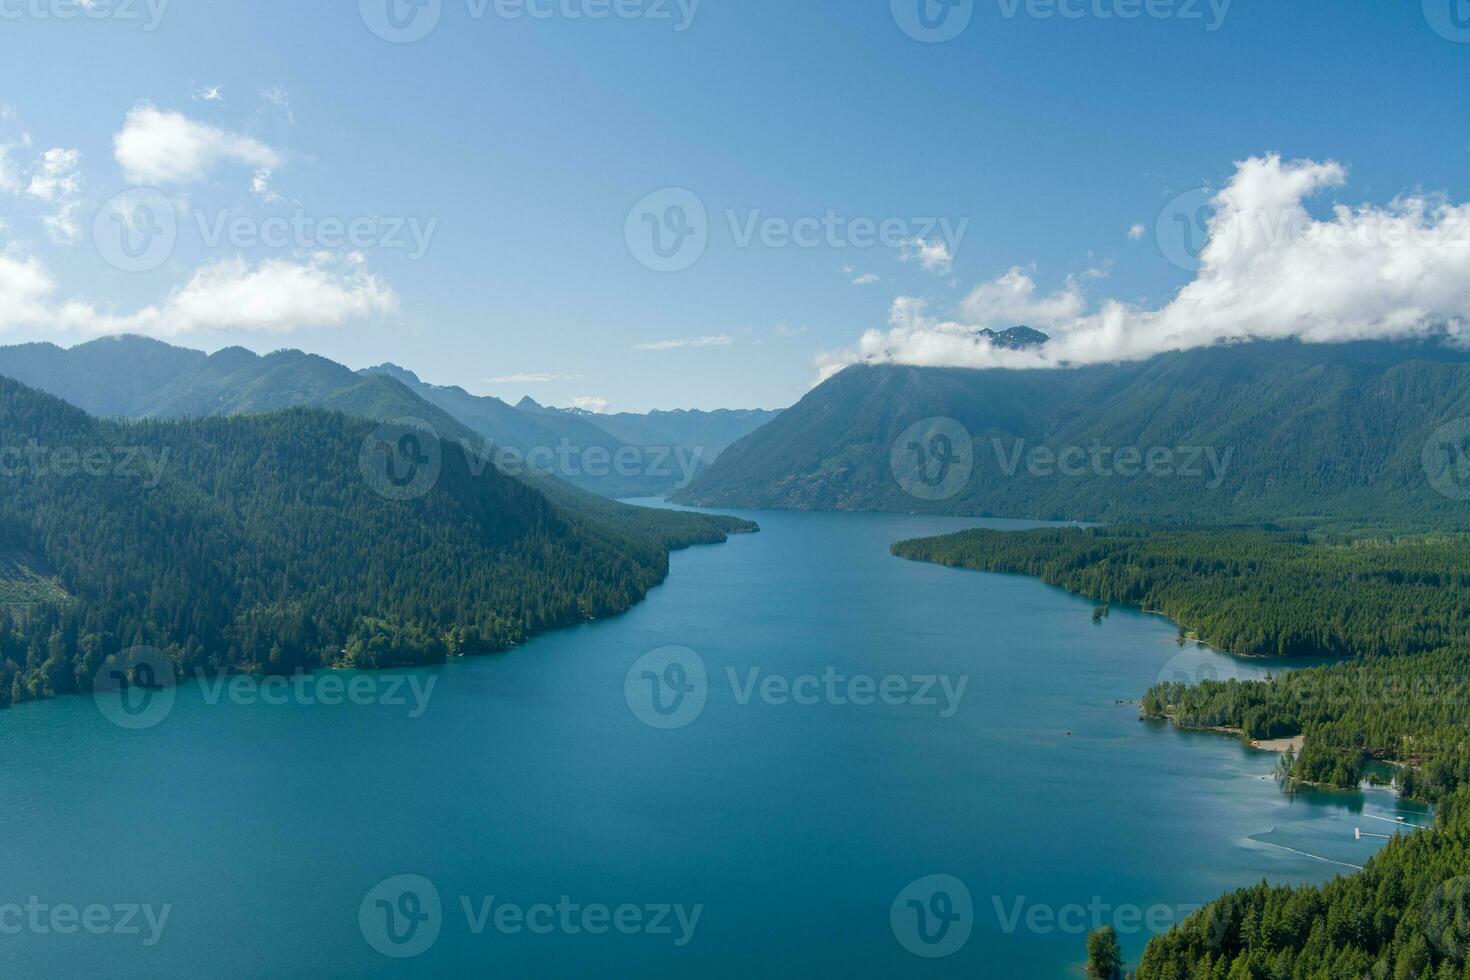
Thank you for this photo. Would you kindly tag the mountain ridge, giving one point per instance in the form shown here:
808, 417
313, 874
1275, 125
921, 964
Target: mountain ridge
129, 376
1313, 432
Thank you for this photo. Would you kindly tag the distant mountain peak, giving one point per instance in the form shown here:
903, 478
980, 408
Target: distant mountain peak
394, 371
529, 404
1016, 338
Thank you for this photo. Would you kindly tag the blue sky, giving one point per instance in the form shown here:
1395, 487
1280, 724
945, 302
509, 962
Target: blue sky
518, 147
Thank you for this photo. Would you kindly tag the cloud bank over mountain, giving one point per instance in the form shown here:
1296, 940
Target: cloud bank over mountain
1269, 270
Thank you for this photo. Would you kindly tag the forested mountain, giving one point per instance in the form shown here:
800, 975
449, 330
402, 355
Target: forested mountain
261, 542
1277, 431
579, 452
1248, 591
139, 378
709, 432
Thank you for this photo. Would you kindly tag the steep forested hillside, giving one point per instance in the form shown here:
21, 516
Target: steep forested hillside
1405, 916
1252, 592
1253, 433
261, 543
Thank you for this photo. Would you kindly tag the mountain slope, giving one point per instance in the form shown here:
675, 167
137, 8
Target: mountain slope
568, 446
1257, 432
136, 377
709, 433
259, 542
112, 376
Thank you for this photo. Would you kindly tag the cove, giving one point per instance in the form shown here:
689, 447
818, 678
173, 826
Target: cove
568, 828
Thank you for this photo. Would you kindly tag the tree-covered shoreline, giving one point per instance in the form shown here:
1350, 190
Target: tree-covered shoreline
1394, 609
260, 545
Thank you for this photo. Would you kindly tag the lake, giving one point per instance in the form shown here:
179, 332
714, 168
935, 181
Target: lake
800, 756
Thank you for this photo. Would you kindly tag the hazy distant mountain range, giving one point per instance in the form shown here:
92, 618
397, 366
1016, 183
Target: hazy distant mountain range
140, 378
1372, 433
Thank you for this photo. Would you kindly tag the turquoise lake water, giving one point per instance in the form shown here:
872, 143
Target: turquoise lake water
594, 764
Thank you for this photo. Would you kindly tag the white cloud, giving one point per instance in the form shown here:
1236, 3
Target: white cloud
274, 297
723, 340
208, 93
1136, 232
276, 100
1011, 300
56, 179
12, 137
589, 403
534, 378
932, 255
24, 287
260, 186
1269, 270
866, 280
166, 148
